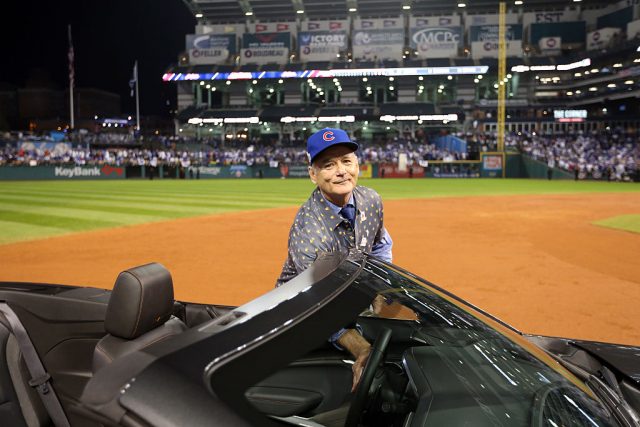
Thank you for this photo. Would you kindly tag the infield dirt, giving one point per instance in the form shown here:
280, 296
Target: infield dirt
536, 262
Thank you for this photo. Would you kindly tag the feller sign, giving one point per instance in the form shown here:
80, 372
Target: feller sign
210, 48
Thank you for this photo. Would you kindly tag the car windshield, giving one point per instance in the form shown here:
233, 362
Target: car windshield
473, 363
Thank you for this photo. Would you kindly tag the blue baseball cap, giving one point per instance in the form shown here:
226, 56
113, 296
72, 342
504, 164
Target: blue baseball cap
325, 138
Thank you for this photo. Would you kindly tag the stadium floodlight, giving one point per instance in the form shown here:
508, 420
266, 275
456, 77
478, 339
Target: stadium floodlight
241, 119
289, 119
353, 9
348, 119
462, 5
300, 12
584, 63
542, 68
406, 7
249, 13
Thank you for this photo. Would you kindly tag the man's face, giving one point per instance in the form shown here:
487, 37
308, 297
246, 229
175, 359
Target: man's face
335, 172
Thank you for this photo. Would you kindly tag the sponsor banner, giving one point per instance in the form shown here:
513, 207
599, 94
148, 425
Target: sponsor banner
550, 45
434, 21
266, 40
392, 170
295, 171
484, 40
436, 42
378, 44
265, 48
480, 33
366, 170
210, 48
235, 171
378, 24
334, 25
556, 16
272, 27
633, 29
322, 45
601, 38
489, 19
61, 172
492, 165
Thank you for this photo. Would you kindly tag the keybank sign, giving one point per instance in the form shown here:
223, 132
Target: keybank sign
76, 172
436, 42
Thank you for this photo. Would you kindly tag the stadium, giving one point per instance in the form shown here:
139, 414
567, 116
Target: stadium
501, 136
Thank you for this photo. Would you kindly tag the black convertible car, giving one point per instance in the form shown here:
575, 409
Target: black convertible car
135, 357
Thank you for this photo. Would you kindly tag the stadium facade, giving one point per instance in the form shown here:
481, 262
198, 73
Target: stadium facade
287, 68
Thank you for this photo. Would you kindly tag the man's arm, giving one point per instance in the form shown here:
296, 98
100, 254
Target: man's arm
359, 349
383, 245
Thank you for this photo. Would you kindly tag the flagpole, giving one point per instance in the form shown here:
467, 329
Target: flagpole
71, 55
137, 99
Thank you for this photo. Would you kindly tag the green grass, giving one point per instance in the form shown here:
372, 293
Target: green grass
38, 209
623, 222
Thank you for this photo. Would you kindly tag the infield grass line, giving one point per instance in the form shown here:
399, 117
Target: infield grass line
629, 223
38, 209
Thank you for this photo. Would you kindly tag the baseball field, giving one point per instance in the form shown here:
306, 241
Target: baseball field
550, 257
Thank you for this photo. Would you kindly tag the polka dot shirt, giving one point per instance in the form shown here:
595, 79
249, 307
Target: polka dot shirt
317, 228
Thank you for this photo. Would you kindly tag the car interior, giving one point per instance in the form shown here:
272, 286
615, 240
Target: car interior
79, 331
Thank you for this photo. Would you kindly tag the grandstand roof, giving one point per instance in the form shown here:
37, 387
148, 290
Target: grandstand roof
224, 11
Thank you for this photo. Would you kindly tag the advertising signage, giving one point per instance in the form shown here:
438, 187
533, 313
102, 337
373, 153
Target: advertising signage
321, 45
436, 42
265, 48
378, 44
484, 40
210, 48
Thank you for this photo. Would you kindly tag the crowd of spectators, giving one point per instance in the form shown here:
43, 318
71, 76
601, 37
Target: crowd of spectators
610, 155
211, 152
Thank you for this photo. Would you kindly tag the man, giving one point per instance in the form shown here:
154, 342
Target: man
338, 215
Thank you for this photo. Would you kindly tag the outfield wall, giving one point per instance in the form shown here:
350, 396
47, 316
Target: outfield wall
491, 165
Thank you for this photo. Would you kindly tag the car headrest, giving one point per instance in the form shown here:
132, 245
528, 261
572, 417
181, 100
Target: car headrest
141, 300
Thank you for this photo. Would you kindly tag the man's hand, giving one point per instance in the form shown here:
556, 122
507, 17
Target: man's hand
359, 349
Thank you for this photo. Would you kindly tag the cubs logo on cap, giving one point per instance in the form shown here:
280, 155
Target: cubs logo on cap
325, 138
328, 135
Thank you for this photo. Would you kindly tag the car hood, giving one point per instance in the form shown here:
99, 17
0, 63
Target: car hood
624, 359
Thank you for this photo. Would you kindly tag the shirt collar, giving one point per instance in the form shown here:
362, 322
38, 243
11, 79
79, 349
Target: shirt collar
332, 212
335, 208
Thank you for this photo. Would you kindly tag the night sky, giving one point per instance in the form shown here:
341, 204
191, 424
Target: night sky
108, 36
